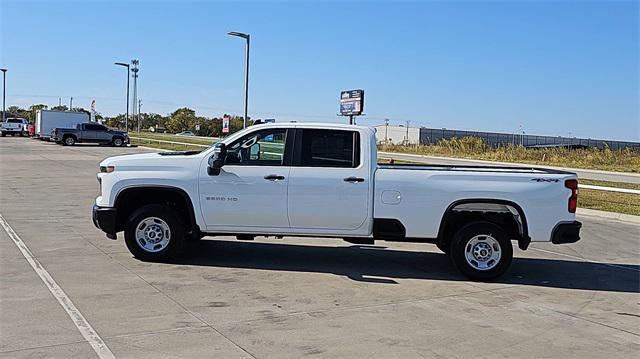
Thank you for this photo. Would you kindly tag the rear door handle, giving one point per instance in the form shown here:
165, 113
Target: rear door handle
274, 177
353, 179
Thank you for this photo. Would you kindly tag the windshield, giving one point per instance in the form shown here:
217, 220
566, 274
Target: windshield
14, 120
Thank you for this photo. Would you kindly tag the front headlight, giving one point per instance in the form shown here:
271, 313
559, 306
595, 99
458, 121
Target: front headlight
107, 169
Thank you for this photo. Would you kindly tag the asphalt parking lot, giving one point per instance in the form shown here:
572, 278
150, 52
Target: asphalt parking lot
279, 298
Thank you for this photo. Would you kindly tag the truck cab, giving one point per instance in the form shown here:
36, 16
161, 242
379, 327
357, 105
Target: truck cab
323, 180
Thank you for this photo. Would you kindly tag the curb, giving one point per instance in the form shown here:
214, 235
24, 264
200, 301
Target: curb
610, 215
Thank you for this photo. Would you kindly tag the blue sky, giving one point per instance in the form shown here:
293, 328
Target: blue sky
555, 68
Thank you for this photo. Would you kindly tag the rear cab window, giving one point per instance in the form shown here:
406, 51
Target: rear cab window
328, 148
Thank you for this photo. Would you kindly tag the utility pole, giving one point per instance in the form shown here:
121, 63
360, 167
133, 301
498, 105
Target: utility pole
59, 101
70, 103
407, 131
386, 131
139, 106
4, 93
135, 70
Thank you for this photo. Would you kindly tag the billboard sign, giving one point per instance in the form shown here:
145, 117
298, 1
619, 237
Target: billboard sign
351, 102
225, 124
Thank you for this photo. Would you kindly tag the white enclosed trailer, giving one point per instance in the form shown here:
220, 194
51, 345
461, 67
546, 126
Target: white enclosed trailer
47, 120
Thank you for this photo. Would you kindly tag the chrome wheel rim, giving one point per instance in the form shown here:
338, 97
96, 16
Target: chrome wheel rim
483, 252
153, 234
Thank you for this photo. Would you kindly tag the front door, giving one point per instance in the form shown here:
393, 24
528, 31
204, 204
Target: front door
251, 190
329, 181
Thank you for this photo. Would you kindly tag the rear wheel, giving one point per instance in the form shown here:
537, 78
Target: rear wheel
4, 134
154, 233
69, 141
481, 251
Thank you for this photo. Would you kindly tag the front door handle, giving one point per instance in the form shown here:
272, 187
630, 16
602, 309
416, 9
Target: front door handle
353, 179
274, 177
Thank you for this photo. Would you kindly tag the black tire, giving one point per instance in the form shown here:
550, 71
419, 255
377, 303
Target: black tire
4, 134
486, 235
117, 142
166, 215
69, 141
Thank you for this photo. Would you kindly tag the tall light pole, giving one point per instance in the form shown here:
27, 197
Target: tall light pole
4, 93
135, 70
386, 131
126, 119
246, 73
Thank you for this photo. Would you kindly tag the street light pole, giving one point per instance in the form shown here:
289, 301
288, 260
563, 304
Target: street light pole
135, 70
246, 73
4, 93
126, 119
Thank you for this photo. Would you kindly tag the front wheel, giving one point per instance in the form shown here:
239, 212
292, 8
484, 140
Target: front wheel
481, 251
117, 141
154, 233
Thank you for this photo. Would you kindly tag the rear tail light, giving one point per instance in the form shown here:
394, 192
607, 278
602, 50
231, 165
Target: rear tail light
572, 184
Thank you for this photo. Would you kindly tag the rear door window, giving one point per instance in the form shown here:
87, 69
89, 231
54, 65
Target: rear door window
329, 148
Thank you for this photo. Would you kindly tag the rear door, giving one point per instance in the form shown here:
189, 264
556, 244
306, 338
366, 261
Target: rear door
329, 181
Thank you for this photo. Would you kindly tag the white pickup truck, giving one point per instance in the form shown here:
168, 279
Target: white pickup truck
323, 180
14, 126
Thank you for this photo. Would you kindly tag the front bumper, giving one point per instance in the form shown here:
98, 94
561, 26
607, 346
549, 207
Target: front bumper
568, 232
105, 218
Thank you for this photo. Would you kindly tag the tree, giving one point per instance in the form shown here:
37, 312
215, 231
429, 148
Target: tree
182, 119
60, 108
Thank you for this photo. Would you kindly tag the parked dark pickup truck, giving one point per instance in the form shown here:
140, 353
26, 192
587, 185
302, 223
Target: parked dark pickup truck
89, 132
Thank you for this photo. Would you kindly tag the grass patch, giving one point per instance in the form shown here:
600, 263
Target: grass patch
174, 138
165, 146
475, 148
609, 201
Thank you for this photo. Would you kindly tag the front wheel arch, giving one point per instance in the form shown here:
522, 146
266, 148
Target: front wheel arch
130, 199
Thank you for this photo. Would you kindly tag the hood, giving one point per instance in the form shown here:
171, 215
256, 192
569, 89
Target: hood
149, 161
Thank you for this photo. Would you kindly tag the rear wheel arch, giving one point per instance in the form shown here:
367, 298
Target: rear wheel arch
130, 199
506, 214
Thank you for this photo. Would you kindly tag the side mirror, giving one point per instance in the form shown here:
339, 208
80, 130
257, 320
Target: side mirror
216, 161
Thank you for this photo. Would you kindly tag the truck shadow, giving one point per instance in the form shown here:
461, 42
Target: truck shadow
377, 264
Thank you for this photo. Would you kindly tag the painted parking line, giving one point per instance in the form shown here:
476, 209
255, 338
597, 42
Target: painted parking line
78, 319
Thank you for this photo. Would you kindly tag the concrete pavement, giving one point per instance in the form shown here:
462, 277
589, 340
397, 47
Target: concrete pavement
293, 297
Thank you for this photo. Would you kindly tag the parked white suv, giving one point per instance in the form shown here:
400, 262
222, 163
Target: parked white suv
323, 180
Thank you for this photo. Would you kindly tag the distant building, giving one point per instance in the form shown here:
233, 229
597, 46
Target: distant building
398, 135
426, 136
